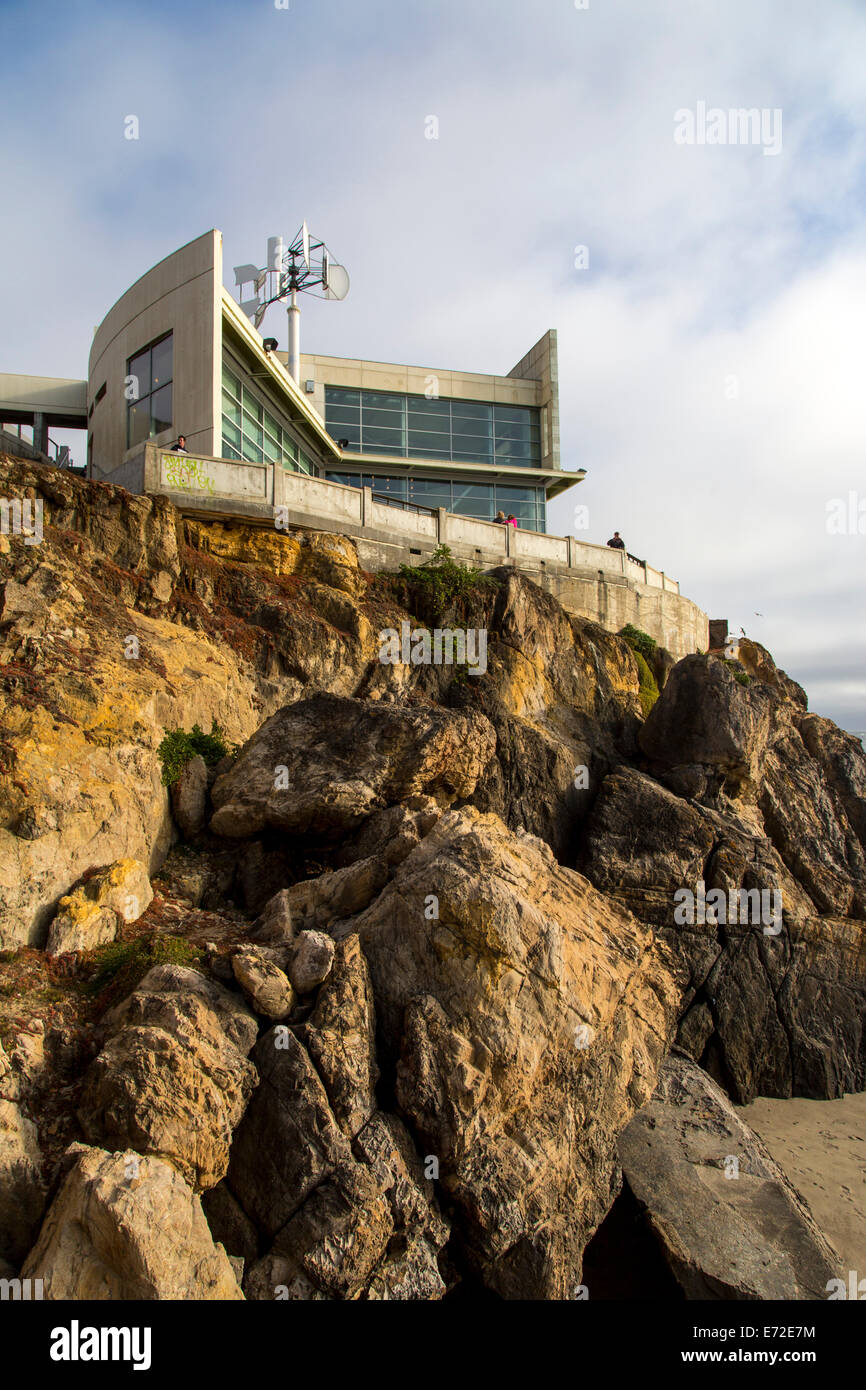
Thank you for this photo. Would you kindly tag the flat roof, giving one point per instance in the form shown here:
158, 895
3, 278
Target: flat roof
63, 398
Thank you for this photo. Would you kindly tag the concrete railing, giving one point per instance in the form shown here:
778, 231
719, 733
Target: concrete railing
223, 487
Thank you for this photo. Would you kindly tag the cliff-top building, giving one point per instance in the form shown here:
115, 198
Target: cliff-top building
176, 355
401, 459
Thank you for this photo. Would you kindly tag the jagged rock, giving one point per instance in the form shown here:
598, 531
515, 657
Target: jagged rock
705, 716
369, 1230
83, 779
757, 662
128, 1227
340, 1234
91, 914
288, 1141
189, 798
808, 815
527, 1021
747, 1236
311, 961
235, 1019
27, 1054
340, 1037
410, 1269
275, 926
391, 834
756, 1006
22, 1192
317, 902
562, 695
344, 759
170, 1080
264, 983
18, 601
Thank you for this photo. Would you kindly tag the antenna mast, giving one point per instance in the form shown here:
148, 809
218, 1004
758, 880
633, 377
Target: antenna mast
303, 266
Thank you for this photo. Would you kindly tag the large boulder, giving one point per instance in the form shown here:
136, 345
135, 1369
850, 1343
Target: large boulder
706, 716
92, 913
525, 1017
126, 1227
727, 1221
323, 765
173, 1078
317, 902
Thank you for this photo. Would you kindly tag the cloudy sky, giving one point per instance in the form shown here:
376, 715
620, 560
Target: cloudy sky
711, 352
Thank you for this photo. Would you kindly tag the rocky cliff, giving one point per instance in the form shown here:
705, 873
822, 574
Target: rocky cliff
382, 1003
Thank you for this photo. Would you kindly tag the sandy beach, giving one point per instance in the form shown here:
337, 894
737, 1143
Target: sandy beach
821, 1147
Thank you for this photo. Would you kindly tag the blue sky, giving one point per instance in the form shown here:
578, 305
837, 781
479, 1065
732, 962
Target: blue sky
711, 356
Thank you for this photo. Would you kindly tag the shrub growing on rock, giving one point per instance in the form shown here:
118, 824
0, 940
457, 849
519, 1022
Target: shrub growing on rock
179, 747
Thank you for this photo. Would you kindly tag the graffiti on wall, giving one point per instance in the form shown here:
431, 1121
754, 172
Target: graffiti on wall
190, 475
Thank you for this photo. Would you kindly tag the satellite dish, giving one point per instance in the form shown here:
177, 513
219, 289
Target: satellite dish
249, 306
305, 243
326, 266
338, 281
260, 313
245, 274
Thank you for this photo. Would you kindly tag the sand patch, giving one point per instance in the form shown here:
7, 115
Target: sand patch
820, 1145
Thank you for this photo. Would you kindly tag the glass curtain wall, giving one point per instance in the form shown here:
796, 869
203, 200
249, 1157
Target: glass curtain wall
252, 432
483, 500
415, 427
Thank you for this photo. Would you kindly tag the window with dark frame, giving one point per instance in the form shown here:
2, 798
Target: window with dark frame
149, 375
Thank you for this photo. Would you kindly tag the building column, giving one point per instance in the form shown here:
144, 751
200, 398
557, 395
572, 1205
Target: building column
441, 525
366, 506
40, 431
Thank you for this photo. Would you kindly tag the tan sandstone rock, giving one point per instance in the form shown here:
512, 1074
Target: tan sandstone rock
91, 914
124, 1227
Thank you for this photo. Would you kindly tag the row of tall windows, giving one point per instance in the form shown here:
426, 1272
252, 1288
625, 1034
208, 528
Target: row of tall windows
252, 433
482, 500
415, 427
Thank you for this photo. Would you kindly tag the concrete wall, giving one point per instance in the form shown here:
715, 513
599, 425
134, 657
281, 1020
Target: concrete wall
182, 295
541, 364
590, 580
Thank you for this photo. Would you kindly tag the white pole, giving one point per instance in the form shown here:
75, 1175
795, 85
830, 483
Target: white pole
294, 337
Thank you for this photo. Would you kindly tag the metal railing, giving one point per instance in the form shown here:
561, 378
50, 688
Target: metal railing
404, 506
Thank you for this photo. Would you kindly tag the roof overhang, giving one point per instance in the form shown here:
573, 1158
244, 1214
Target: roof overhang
553, 482
295, 401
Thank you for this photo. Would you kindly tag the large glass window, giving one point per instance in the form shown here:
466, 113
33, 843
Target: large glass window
482, 500
415, 427
149, 392
251, 432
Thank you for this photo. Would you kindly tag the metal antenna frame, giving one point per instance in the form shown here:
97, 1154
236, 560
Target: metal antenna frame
297, 274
